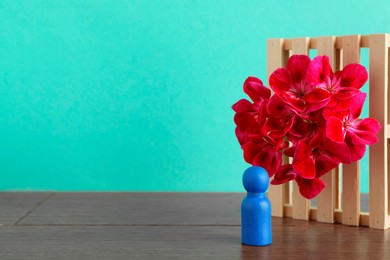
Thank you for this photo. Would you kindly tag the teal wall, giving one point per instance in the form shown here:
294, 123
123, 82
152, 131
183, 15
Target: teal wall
136, 95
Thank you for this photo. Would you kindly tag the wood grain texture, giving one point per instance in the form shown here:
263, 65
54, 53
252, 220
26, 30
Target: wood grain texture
292, 239
15, 205
89, 228
139, 208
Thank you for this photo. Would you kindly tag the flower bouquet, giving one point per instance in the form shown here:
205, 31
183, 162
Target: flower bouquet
312, 117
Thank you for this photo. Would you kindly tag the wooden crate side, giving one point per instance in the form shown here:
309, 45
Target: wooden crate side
378, 81
300, 204
275, 59
326, 199
346, 50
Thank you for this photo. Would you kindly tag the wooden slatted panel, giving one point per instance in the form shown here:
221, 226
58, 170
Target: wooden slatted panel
300, 204
351, 172
378, 62
275, 59
326, 199
379, 182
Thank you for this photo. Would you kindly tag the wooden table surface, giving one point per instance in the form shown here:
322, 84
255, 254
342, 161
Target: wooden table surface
164, 226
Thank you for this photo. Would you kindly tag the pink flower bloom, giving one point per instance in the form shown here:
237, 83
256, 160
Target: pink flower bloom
291, 86
340, 85
345, 126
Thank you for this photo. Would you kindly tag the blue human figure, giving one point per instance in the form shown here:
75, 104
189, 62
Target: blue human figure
256, 208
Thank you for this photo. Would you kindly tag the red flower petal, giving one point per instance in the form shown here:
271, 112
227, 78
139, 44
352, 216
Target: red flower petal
280, 81
356, 105
255, 89
356, 150
325, 164
250, 151
286, 173
310, 188
244, 120
337, 150
243, 105
370, 124
366, 130
319, 71
335, 129
276, 128
297, 66
269, 160
276, 107
303, 162
290, 151
241, 136
317, 95
353, 75
296, 104
316, 99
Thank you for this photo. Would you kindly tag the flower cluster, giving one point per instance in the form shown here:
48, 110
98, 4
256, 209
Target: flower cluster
313, 117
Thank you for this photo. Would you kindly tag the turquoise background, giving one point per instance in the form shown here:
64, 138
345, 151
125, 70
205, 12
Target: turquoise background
136, 95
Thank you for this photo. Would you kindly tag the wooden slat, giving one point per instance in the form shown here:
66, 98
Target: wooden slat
351, 172
388, 131
300, 204
379, 209
326, 199
337, 188
275, 59
351, 194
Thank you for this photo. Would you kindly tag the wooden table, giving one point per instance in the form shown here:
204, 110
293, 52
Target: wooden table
164, 226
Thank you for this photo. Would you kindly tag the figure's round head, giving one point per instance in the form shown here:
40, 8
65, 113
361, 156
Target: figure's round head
255, 179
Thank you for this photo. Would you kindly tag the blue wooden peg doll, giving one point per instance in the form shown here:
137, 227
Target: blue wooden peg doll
256, 208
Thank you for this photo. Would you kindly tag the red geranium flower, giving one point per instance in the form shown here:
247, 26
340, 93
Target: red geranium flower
249, 116
346, 127
341, 85
291, 86
314, 157
313, 117
258, 148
